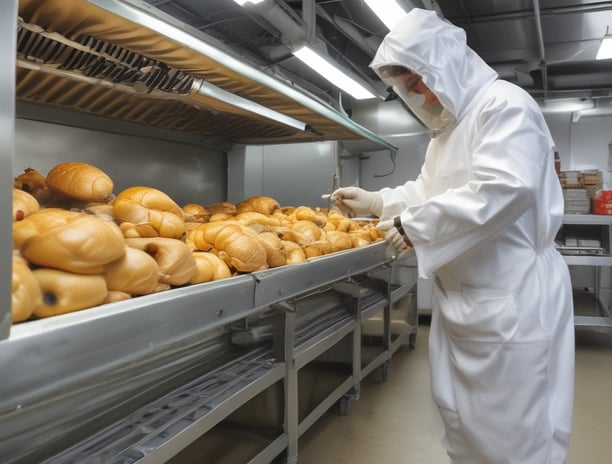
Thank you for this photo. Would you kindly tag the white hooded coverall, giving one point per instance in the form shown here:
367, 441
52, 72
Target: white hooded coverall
482, 217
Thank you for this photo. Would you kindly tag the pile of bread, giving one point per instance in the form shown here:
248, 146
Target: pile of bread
78, 245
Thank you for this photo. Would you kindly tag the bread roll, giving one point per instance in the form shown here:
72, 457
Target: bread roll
26, 292
303, 233
295, 253
318, 248
340, 241
305, 213
135, 273
68, 240
223, 207
276, 255
195, 213
81, 181
34, 183
65, 292
252, 217
209, 267
176, 263
112, 296
24, 204
234, 243
148, 212
259, 203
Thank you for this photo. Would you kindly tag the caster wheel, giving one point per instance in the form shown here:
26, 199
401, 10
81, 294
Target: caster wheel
412, 340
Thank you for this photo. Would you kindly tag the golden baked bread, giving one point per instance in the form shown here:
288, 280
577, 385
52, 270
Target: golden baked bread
339, 240
221, 217
248, 218
305, 213
81, 181
135, 273
238, 246
115, 295
318, 248
303, 233
26, 292
223, 207
209, 267
35, 184
68, 240
24, 204
176, 263
65, 292
276, 255
148, 212
195, 213
295, 253
259, 203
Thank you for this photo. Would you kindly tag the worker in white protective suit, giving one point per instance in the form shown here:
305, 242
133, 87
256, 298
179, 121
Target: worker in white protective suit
482, 217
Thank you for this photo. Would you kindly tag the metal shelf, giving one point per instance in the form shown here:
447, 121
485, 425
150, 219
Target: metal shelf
164, 427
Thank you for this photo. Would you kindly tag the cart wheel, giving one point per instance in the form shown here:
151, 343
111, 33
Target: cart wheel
345, 405
412, 340
385, 371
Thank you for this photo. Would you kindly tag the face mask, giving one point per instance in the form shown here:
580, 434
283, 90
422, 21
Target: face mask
433, 115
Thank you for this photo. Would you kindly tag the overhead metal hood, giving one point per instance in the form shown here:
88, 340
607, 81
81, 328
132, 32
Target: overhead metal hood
127, 61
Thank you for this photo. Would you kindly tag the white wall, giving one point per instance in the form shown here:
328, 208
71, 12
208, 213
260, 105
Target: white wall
583, 144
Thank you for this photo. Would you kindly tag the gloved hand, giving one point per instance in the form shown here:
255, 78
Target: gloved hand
393, 236
355, 201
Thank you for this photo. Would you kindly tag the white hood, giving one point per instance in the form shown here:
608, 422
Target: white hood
437, 51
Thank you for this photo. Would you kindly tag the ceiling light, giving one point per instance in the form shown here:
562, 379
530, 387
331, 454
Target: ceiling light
332, 73
605, 49
389, 11
254, 2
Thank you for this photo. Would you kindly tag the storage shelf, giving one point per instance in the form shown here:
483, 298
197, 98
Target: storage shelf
162, 428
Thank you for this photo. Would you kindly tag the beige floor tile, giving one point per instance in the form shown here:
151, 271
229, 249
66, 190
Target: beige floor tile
396, 422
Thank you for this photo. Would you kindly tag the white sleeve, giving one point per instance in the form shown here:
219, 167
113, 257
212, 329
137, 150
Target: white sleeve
397, 199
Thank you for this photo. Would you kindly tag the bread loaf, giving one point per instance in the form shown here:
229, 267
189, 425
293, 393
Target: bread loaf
295, 253
148, 212
81, 181
223, 207
276, 255
135, 273
24, 204
65, 292
195, 213
238, 246
259, 203
26, 292
176, 263
34, 183
68, 240
209, 267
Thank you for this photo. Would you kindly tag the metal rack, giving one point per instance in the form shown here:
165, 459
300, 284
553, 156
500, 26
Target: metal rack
591, 308
111, 385
144, 379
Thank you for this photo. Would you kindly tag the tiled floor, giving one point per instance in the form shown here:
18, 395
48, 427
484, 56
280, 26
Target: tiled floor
396, 422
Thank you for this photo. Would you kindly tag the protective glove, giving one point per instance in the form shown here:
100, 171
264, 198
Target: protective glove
393, 236
355, 201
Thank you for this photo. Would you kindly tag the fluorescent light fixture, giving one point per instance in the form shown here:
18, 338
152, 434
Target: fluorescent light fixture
566, 105
605, 49
332, 73
254, 2
389, 11
210, 90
